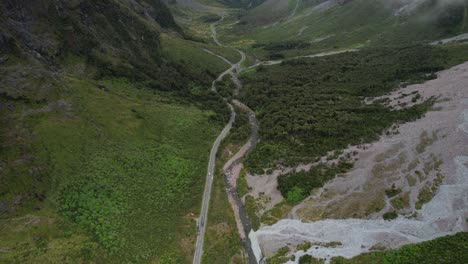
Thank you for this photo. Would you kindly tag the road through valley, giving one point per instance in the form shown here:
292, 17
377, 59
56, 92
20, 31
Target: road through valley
243, 223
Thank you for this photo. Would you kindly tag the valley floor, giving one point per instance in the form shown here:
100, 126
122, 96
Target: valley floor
424, 161
96, 167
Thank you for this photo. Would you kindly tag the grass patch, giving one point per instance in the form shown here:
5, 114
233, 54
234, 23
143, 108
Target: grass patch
222, 242
308, 259
280, 256
251, 206
427, 192
444, 250
192, 53
296, 186
242, 186
390, 215
118, 162
304, 246
425, 141
278, 212
392, 191
401, 201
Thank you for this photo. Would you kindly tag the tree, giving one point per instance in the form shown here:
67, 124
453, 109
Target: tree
295, 195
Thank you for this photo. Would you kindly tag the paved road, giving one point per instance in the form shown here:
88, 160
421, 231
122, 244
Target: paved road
201, 222
241, 214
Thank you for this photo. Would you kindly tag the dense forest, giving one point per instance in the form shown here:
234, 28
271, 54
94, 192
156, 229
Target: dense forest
296, 186
307, 107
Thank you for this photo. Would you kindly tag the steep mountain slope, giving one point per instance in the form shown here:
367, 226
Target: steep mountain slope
108, 120
326, 25
270, 11
106, 123
119, 37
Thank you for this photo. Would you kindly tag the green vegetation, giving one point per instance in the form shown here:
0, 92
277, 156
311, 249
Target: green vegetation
95, 207
308, 259
444, 250
425, 141
105, 169
107, 122
296, 186
273, 49
305, 115
276, 213
242, 3
428, 191
281, 46
392, 191
355, 24
401, 201
191, 53
390, 215
304, 246
226, 87
222, 243
251, 207
332, 244
280, 256
295, 195
116, 164
242, 186
241, 129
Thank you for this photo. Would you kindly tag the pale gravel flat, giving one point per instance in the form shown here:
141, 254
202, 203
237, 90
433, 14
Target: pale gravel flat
444, 214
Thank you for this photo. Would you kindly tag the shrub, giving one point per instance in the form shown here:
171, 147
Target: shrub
390, 215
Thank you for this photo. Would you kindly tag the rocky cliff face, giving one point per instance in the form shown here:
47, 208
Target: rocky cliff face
118, 36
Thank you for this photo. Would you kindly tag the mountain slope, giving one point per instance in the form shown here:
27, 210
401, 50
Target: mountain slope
242, 3
358, 23
105, 130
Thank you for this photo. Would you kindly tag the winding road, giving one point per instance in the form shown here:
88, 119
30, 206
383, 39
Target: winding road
231, 168
231, 188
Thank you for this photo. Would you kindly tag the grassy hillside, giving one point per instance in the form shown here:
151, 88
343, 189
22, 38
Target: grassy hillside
355, 24
242, 3
269, 12
107, 122
103, 167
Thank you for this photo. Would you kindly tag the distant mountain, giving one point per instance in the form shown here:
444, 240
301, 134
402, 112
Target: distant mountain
242, 3
355, 23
